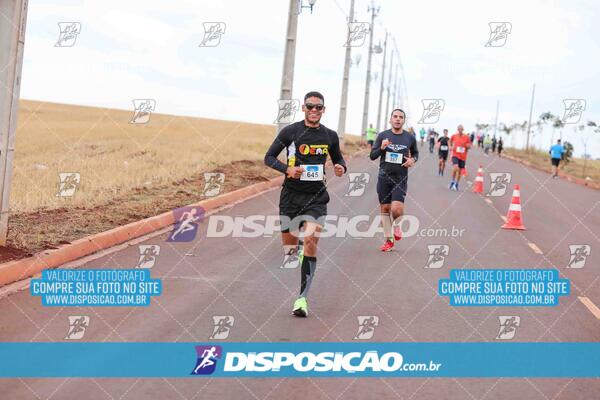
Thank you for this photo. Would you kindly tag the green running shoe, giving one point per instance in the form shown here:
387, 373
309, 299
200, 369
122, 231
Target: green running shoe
300, 307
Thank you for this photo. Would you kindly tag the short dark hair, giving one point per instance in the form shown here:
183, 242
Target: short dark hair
398, 109
314, 94
558, 140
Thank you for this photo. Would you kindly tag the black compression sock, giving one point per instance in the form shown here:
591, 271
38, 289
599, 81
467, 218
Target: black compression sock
307, 271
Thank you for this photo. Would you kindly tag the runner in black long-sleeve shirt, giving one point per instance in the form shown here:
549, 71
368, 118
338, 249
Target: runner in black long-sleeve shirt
304, 194
398, 151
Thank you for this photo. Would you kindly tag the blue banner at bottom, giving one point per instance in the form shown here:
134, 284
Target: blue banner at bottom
300, 359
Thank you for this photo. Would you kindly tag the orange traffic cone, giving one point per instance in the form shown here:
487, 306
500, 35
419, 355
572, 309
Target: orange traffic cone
478, 185
463, 172
513, 218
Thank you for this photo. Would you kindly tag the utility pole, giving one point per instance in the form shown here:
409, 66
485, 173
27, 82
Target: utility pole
382, 80
389, 84
344, 100
529, 123
287, 78
496, 122
363, 134
12, 41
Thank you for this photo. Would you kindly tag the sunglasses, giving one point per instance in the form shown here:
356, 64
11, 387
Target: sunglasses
310, 106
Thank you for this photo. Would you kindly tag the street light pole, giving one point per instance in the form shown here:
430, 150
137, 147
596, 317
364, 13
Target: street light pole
363, 134
12, 41
344, 100
389, 84
287, 77
382, 80
529, 123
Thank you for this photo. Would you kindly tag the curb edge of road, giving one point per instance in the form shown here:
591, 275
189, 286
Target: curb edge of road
17, 270
578, 181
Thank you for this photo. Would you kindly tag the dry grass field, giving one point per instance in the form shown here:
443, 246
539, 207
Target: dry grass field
127, 171
574, 168
113, 156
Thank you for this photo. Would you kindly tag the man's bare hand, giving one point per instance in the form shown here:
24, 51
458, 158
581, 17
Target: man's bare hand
338, 169
409, 162
294, 172
385, 143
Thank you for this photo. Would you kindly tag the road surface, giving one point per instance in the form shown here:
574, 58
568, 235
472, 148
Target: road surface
240, 277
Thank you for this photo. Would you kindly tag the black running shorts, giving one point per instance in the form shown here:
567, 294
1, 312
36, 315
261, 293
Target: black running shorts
391, 188
295, 207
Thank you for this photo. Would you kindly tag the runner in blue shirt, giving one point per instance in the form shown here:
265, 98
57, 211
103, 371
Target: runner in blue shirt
556, 154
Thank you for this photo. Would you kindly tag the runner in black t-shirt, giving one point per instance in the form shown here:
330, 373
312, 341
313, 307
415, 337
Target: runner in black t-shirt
304, 195
397, 150
443, 152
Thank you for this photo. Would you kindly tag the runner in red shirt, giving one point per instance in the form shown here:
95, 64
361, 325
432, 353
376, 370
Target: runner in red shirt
460, 144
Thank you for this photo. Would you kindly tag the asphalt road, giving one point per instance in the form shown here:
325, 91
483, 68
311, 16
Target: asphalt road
242, 278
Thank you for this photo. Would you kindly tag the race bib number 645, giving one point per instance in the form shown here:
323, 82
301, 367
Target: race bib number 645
312, 173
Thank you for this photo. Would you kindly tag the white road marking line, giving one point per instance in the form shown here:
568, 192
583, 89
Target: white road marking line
503, 218
590, 306
535, 248
488, 201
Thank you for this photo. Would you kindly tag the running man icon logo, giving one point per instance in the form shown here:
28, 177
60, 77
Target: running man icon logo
207, 359
573, 110
499, 182
437, 255
508, 327
357, 33
291, 259
499, 32
212, 183
77, 326
358, 182
187, 220
432, 109
148, 255
579, 254
68, 183
287, 111
68, 34
222, 326
212, 34
366, 326
142, 110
